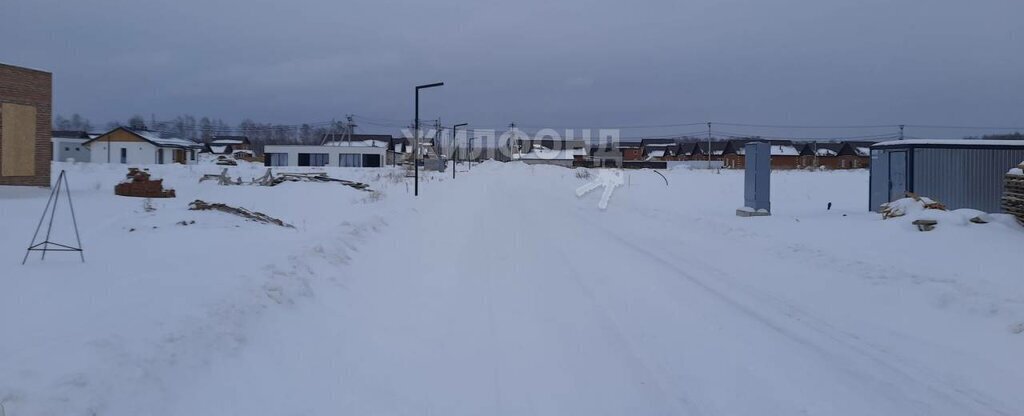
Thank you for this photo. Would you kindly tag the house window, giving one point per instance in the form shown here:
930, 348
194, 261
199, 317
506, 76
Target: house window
68, 149
124, 155
77, 149
312, 159
160, 156
275, 159
192, 154
371, 161
350, 160
318, 159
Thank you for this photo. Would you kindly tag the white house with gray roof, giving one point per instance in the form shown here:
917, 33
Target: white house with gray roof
139, 147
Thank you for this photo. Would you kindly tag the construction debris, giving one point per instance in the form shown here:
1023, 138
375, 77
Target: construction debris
225, 161
899, 207
138, 184
222, 179
268, 179
200, 205
978, 220
317, 177
1013, 193
925, 225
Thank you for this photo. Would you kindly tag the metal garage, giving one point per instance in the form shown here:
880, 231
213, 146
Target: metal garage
959, 173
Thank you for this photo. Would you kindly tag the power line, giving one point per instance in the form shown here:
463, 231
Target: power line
795, 126
926, 126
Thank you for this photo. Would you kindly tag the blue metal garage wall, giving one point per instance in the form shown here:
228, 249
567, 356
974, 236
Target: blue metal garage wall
962, 177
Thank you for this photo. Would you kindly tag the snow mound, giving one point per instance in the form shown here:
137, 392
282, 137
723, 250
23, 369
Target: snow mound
1019, 170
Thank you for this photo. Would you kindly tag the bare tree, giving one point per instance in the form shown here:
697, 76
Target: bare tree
137, 122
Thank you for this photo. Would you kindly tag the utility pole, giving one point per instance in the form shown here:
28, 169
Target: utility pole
416, 121
513, 140
709, 145
815, 153
437, 138
349, 129
454, 156
901, 131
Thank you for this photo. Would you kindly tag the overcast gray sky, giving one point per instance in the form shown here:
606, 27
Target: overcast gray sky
539, 63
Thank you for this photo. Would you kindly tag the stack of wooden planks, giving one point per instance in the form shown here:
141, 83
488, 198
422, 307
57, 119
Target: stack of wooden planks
1013, 193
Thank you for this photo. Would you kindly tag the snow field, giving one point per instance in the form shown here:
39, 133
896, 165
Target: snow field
502, 292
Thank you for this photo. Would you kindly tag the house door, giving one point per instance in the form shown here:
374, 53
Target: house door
897, 175
179, 156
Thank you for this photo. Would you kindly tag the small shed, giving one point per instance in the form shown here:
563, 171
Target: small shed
68, 146
959, 173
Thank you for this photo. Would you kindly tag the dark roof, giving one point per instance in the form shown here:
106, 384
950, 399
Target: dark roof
70, 134
243, 139
397, 142
648, 142
700, 147
732, 146
553, 144
807, 148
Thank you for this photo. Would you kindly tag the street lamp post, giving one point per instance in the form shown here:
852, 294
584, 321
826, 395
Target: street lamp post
455, 127
416, 147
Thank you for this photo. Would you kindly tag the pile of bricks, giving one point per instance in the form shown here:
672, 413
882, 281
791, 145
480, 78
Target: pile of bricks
1013, 193
138, 184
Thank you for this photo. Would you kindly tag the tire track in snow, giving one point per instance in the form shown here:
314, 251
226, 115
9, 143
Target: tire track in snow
821, 329
901, 363
681, 401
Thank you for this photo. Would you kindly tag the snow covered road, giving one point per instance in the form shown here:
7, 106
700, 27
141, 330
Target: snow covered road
508, 295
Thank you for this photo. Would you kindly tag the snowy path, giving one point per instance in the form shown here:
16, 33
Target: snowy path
519, 310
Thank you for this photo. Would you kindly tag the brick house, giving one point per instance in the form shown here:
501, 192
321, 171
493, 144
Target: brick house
630, 151
835, 155
656, 149
25, 110
698, 150
784, 155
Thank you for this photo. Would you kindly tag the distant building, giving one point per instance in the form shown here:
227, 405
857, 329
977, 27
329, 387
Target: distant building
835, 155
228, 145
549, 151
602, 155
698, 150
784, 155
128, 146
25, 106
957, 173
630, 151
69, 146
656, 149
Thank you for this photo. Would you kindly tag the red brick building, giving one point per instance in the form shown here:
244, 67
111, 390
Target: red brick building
630, 151
25, 106
836, 155
783, 154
